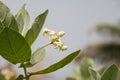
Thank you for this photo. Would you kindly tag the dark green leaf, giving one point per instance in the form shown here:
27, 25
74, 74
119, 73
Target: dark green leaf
59, 64
20, 77
111, 73
7, 18
14, 47
1, 26
34, 31
23, 19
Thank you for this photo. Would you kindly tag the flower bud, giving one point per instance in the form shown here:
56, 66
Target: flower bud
63, 48
55, 39
61, 33
53, 36
58, 44
45, 31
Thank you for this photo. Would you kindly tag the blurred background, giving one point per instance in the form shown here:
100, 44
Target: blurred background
90, 25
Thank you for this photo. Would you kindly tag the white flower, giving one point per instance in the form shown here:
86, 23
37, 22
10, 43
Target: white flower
61, 33
45, 31
53, 35
58, 44
55, 39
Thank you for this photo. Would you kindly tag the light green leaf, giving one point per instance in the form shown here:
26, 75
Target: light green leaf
58, 65
84, 65
38, 55
34, 31
3, 11
7, 18
111, 73
94, 75
14, 47
10, 22
77, 75
23, 19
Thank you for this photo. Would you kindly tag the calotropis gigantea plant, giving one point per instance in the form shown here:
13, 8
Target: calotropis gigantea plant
16, 40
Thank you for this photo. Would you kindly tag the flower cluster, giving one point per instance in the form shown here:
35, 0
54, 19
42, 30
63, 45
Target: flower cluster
55, 39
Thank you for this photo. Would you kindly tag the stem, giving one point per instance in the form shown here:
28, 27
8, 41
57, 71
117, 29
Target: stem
25, 72
43, 47
27, 76
46, 45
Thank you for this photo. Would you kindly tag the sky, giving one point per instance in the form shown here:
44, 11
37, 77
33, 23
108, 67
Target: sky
75, 17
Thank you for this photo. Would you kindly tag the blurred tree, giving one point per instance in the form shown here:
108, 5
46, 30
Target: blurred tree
107, 51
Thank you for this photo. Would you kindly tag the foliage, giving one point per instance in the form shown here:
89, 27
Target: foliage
90, 73
16, 41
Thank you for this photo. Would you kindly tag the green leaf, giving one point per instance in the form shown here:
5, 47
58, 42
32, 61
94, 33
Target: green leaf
3, 11
70, 78
118, 75
10, 22
34, 31
14, 47
94, 75
7, 18
20, 77
58, 65
1, 26
2, 77
77, 75
23, 19
111, 73
38, 55
84, 65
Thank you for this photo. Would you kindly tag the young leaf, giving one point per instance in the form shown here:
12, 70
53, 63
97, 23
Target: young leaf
33, 32
58, 65
3, 11
84, 65
94, 75
37, 56
10, 22
77, 75
111, 73
13, 47
23, 19
7, 18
